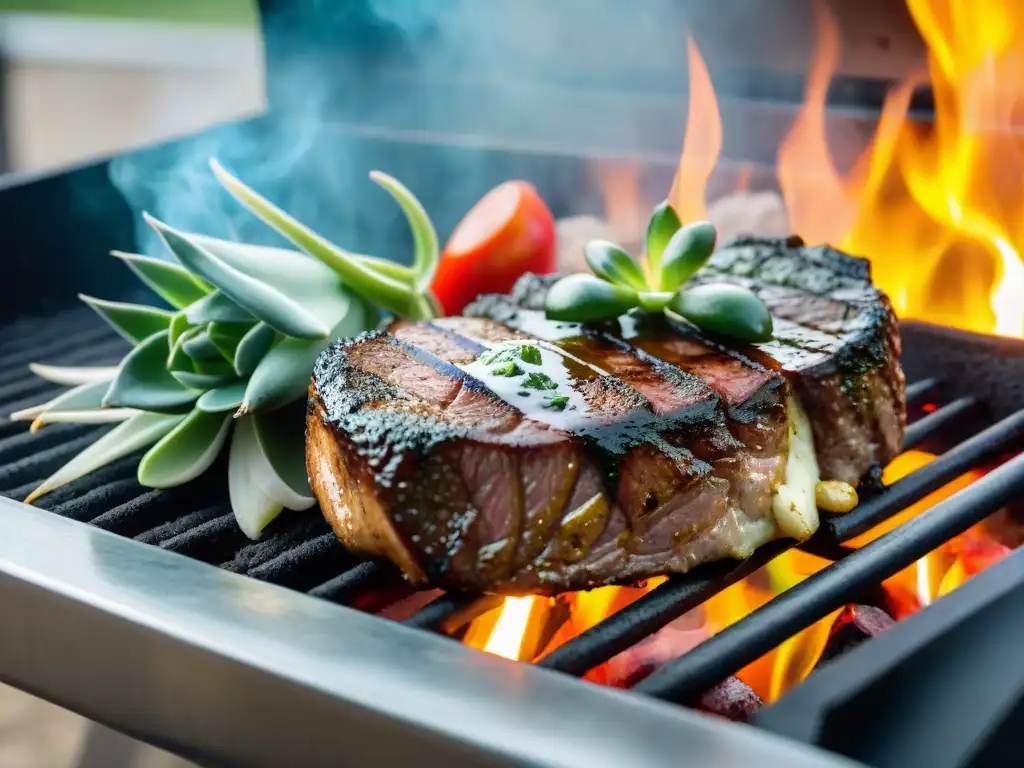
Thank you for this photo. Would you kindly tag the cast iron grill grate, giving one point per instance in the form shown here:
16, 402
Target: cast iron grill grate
969, 427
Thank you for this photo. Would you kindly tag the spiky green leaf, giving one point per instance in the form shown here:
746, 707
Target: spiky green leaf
260, 299
252, 347
186, 451
177, 358
216, 308
124, 439
392, 294
134, 322
283, 374
302, 279
226, 337
426, 252
201, 348
254, 509
179, 324
171, 282
282, 438
144, 382
227, 398
84, 416
73, 375
201, 382
82, 397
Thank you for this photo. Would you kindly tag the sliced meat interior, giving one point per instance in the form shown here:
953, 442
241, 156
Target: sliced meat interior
503, 452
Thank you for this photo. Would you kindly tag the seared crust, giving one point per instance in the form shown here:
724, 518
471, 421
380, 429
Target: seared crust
836, 340
666, 456
414, 459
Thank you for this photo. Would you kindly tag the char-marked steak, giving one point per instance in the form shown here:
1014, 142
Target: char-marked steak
662, 452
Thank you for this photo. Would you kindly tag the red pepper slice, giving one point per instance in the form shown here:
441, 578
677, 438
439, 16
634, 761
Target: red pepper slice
508, 232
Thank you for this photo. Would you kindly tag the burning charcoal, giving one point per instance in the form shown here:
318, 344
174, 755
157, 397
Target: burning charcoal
732, 699
852, 627
1007, 525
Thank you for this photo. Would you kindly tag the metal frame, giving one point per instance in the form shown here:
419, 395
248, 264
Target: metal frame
227, 670
942, 688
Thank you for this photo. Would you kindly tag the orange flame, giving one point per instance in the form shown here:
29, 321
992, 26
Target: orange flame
701, 144
936, 208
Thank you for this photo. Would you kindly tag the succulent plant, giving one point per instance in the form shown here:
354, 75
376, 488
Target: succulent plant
229, 359
675, 253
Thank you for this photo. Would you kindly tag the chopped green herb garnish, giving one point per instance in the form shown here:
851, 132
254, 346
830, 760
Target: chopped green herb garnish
530, 354
557, 402
499, 355
507, 369
539, 381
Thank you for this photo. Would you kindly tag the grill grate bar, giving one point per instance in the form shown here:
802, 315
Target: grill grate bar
347, 588
921, 390
449, 612
950, 416
750, 638
987, 445
656, 609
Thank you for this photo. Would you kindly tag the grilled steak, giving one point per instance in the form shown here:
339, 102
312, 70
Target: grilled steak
500, 451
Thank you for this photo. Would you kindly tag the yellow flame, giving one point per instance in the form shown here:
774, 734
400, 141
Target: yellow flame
507, 636
937, 207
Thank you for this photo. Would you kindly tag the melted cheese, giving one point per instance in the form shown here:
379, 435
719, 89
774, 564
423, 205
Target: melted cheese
794, 506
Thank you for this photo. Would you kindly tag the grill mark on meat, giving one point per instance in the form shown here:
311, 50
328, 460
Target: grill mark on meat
670, 460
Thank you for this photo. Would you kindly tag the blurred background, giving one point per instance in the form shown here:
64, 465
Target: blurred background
81, 80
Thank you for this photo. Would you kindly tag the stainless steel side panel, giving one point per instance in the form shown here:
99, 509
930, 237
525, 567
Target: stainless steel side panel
227, 670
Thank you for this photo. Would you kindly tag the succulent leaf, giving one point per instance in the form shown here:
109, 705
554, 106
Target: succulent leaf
221, 399
226, 337
426, 252
186, 451
82, 397
71, 375
253, 508
216, 307
726, 309
124, 439
583, 298
134, 322
664, 223
391, 269
304, 280
686, 252
387, 292
260, 299
200, 347
83, 416
283, 373
252, 347
171, 282
611, 262
203, 381
177, 358
179, 324
282, 442
144, 382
